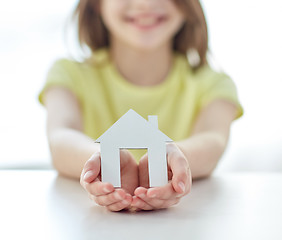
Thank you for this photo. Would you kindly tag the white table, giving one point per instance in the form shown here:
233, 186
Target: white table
41, 205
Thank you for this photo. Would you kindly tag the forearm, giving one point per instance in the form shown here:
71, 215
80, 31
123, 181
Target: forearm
70, 149
203, 151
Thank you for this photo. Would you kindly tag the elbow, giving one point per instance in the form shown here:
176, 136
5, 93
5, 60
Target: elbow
202, 174
60, 161
54, 146
62, 170
57, 163
203, 167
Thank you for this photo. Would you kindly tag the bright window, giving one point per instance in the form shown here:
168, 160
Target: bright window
245, 39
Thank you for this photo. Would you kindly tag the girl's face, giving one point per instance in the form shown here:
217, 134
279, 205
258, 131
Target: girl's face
141, 24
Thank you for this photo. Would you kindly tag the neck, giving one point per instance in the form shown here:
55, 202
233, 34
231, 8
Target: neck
144, 68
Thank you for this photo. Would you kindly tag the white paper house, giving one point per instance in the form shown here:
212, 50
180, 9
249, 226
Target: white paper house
132, 131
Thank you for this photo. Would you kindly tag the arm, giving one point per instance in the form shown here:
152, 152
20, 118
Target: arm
69, 147
196, 156
209, 138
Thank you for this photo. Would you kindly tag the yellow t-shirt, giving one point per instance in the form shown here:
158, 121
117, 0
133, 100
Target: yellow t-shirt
104, 95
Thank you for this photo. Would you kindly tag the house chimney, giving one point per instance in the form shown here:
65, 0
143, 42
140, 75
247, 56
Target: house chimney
153, 119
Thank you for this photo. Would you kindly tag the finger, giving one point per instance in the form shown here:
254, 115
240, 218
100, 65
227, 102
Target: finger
118, 206
165, 192
139, 193
153, 202
156, 203
169, 203
147, 202
140, 190
142, 193
139, 204
111, 198
92, 197
98, 188
181, 179
91, 169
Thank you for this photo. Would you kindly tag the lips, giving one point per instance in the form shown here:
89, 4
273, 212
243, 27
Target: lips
146, 21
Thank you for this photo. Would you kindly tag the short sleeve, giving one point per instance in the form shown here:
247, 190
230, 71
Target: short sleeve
218, 85
61, 74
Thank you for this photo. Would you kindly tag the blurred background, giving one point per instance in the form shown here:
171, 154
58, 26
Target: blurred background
245, 41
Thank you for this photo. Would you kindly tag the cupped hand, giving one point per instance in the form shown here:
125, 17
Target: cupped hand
104, 194
179, 184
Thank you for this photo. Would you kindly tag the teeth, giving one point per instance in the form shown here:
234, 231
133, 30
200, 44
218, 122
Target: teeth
146, 21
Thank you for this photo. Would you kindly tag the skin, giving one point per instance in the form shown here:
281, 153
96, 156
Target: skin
131, 45
143, 58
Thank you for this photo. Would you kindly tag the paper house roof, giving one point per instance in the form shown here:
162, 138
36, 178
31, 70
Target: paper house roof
133, 131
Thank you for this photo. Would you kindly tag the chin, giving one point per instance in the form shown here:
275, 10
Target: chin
148, 46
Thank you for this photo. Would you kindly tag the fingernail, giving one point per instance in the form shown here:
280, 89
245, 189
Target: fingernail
88, 175
182, 186
94, 155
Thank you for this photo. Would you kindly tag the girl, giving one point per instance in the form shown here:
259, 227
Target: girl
139, 61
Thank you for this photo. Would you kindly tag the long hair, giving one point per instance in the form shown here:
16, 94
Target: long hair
193, 34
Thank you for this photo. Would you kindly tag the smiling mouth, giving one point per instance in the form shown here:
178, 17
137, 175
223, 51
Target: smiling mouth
146, 23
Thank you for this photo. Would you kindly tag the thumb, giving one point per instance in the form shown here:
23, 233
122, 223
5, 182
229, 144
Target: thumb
91, 168
181, 179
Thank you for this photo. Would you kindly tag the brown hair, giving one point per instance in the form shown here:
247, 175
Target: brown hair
192, 36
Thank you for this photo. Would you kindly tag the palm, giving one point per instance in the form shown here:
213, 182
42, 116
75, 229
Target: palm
144, 173
129, 172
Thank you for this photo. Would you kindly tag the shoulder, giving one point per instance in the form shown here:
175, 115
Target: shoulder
207, 73
207, 77
203, 73
86, 66
215, 84
67, 67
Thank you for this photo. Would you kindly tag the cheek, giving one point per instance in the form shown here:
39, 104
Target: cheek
175, 24
177, 17
111, 13
178, 24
